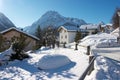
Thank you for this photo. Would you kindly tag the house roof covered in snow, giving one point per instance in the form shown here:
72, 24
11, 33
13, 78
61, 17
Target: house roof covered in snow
89, 26
69, 28
18, 30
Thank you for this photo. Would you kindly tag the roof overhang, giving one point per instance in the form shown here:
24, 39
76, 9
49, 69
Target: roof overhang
20, 31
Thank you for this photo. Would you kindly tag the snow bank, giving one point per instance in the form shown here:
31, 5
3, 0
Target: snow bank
19, 74
115, 32
44, 48
105, 43
99, 40
53, 61
104, 69
6, 54
70, 45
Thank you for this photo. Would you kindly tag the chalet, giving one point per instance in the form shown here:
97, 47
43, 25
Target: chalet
67, 33
93, 28
90, 28
8, 34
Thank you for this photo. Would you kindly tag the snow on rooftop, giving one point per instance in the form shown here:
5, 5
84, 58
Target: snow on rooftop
19, 31
89, 26
71, 28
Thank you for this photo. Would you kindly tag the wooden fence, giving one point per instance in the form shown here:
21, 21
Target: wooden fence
89, 69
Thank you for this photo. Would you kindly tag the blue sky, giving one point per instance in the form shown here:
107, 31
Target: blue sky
24, 12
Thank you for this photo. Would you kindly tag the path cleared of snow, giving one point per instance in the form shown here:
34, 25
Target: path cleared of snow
27, 69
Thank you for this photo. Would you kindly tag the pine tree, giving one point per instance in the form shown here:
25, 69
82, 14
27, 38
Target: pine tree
18, 46
39, 34
77, 36
115, 19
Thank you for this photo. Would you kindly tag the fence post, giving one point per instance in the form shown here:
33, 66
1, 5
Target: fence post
76, 46
92, 64
88, 50
89, 69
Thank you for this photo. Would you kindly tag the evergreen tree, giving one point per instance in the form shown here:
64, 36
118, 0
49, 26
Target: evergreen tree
78, 36
39, 34
115, 19
18, 46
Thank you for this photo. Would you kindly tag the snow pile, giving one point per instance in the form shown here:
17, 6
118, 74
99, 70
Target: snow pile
105, 43
70, 45
18, 74
44, 48
115, 32
6, 54
105, 69
99, 40
53, 61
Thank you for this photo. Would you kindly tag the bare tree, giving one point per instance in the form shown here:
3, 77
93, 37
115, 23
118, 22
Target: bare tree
115, 19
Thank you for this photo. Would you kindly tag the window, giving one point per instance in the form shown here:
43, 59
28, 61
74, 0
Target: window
65, 36
64, 30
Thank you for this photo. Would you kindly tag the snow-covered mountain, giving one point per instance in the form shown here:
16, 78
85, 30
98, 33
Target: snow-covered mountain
52, 18
5, 23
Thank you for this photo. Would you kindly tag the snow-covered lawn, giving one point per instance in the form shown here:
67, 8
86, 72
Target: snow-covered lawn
28, 70
72, 62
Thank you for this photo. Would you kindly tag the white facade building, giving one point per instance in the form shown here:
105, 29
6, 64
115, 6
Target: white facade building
67, 34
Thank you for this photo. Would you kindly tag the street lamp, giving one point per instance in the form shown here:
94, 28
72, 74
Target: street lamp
119, 27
